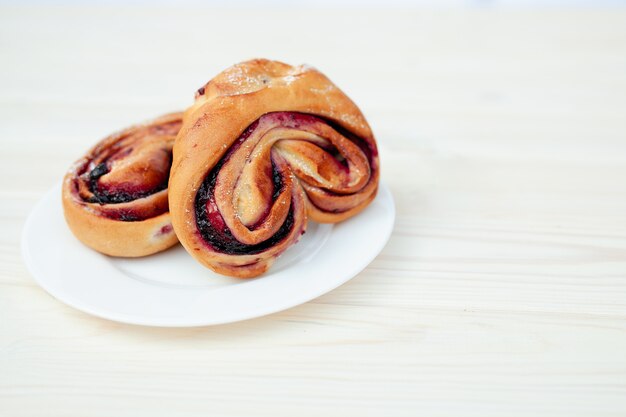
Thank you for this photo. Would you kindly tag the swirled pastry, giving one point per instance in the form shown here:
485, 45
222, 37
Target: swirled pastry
115, 197
264, 147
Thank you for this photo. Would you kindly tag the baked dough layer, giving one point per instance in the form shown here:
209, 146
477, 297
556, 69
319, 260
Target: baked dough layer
115, 197
265, 147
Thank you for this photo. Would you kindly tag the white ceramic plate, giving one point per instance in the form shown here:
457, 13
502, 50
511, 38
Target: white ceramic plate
171, 289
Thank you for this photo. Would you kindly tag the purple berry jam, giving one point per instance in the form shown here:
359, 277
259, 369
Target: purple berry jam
210, 222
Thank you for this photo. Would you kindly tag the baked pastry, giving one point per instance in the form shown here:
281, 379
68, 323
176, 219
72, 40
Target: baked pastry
115, 197
264, 147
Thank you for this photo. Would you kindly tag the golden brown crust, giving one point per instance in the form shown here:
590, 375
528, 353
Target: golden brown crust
299, 124
115, 197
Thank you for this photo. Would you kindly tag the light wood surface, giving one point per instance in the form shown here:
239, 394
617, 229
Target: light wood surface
502, 291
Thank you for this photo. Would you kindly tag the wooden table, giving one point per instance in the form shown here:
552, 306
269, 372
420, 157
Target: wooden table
502, 291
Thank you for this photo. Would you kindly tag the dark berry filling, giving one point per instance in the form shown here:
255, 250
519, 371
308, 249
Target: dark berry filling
211, 224
128, 166
103, 196
165, 230
277, 179
214, 230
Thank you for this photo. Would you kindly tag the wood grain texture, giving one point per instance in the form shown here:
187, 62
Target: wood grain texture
501, 292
